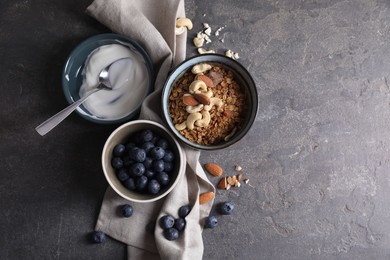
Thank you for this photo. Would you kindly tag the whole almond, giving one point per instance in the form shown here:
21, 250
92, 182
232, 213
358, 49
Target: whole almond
214, 169
206, 197
189, 100
202, 98
209, 82
228, 113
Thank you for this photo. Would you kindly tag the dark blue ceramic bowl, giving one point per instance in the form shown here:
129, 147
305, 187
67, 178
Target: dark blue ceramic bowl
72, 77
241, 76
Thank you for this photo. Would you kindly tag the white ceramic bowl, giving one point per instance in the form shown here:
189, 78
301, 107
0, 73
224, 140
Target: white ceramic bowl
120, 135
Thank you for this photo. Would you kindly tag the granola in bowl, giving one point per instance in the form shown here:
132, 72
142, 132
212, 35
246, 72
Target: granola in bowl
207, 107
209, 101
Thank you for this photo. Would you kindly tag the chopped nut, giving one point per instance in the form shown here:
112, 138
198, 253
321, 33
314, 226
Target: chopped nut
246, 181
239, 177
238, 168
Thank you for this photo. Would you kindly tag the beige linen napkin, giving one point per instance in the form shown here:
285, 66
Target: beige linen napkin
152, 24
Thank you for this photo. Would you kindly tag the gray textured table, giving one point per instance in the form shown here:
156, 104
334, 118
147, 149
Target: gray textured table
317, 156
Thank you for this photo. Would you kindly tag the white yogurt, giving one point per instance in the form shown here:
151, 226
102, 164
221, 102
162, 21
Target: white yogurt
129, 79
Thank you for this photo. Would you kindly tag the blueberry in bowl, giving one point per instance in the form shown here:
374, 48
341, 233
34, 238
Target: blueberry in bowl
142, 161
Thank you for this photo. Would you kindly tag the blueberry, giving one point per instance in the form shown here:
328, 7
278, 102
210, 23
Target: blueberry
130, 184
98, 237
148, 163
180, 224
137, 154
155, 139
129, 146
126, 210
147, 146
163, 143
162, 178
142, 183
171, 234
226, 208
151, 227
153, 186
211, 222
127, 161
123, 174
137, 169
169, 156
168, 167
157, 153
184, 211
149, 174
167, 221
158, 165
117, 163
119, 150
145, 136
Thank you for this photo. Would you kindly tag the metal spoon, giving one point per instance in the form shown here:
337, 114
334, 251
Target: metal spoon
53, 121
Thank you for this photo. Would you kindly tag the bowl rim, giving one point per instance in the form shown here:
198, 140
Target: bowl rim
211, 58
181, 160
96, 41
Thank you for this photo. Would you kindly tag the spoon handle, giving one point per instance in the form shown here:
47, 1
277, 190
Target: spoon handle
53, 121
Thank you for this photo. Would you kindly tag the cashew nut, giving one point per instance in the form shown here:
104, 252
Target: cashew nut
214, 101
194, 109
198, 42
203, 51
209, 93
197, 85
192, 118
181, 126
200, 68
181, 22
205, 121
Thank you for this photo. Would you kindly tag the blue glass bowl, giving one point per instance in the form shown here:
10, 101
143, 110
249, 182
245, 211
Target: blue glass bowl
72, 77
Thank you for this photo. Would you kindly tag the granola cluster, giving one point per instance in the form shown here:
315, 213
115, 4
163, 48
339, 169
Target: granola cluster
224, 118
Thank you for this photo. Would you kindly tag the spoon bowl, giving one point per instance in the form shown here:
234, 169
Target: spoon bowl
104, 84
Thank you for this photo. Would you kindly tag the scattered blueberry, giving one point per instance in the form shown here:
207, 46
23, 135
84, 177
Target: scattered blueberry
158, 165
184, 211
137, 169
162, 178
130, 184
180, 224
157, 153
127, 210
117, 163
137, 154
119, 150
211, 222
142, 183
169, 156
151, 227
163, 143
171, 234
226, 208
153, 186
167, 221
123, 174
98, 237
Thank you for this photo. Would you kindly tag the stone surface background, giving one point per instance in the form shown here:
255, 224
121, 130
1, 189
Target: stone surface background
317, 156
